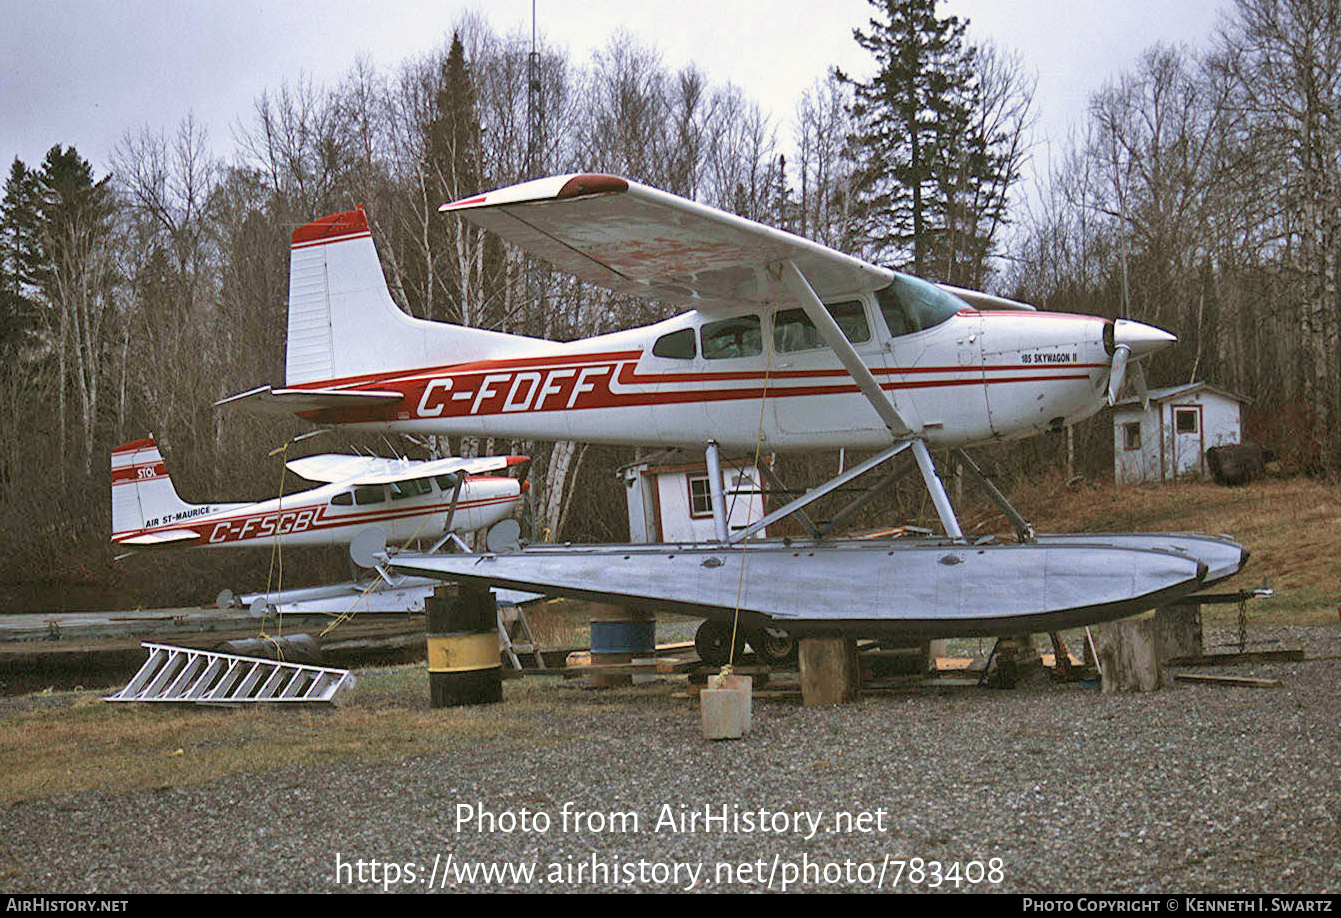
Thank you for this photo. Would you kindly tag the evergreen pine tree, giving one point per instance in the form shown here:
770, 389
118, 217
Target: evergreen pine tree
913, 147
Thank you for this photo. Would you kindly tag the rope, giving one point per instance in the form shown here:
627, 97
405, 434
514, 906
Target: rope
276, 573
758, 449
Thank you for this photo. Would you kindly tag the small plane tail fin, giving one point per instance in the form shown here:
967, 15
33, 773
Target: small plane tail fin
343, 324
142, 493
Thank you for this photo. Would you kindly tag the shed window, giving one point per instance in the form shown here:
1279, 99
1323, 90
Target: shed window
1185, 420
700, 497
1131, 435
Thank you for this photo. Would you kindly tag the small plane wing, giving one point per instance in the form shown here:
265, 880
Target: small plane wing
634, 239
980, 300
370, 470
289, 401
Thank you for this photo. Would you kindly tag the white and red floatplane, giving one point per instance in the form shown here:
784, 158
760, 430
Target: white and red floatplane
786, 345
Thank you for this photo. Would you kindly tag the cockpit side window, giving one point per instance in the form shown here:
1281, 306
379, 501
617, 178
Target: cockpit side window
446, 483
910, 305
415, 487
793, 330
735, 337
678, 345
369, 494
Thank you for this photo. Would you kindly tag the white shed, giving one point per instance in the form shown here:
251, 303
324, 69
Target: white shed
669, 499
1169, 439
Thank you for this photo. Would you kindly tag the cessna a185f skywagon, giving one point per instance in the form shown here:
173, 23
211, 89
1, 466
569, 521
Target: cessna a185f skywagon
399, 498
787, 345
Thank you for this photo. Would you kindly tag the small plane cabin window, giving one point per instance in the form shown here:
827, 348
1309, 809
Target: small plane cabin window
735, 337
369, 494
1185, 420
446, 483
678, 345
416, 487
793, 330
343, 499
1131, 435
700, 497
910, 305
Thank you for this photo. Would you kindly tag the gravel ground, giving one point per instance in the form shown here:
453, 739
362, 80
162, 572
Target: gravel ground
1046, 788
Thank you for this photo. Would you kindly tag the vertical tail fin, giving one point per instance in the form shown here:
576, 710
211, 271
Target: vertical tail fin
343, 323
142, 492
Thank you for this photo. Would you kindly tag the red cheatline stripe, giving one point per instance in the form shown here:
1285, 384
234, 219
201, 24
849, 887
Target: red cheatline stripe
321, 522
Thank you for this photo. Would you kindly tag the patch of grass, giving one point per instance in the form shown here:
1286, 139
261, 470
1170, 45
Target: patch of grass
81, 743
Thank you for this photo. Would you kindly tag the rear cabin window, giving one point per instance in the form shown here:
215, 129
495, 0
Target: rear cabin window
678, 345
369, 494
735, 337
343, 499
793, 330
910, 305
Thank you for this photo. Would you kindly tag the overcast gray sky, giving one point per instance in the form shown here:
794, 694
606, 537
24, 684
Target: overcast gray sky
84, 72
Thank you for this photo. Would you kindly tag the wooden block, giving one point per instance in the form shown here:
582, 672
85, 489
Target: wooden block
830, 672
1179, 631
1129, 655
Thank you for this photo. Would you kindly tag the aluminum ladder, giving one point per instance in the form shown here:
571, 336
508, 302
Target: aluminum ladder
184, 675
514, 636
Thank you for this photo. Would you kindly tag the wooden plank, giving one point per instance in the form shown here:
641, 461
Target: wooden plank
1229, 659
1208, 679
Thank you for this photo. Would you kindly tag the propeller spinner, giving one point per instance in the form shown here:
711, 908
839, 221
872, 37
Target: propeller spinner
1132, 341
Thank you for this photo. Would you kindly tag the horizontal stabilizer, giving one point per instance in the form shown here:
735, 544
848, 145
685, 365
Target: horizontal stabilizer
154, 539
288, 401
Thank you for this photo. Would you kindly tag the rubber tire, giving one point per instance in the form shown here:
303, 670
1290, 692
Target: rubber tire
774, 646
713, 643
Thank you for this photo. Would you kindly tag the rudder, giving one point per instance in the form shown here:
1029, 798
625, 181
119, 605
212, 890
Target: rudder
142, 492
343, 324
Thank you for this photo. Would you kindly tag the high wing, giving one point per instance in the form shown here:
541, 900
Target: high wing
371, 470
634, 239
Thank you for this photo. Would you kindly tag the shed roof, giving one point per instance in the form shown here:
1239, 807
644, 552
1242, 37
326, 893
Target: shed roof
1170, 392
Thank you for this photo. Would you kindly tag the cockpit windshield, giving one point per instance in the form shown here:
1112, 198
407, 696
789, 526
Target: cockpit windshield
910, 304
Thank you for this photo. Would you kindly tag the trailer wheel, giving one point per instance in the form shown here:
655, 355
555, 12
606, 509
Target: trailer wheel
713, 642
774, 646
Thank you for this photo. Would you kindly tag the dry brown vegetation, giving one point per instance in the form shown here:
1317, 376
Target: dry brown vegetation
1292, 527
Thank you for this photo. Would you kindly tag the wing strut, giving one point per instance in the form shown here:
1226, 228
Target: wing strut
870, 387
847, 355
938, 495
828, 487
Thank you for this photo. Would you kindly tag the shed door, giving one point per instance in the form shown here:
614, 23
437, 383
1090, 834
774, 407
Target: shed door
1189, 454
